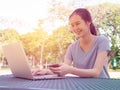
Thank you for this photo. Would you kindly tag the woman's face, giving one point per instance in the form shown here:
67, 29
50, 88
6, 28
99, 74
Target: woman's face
79, 26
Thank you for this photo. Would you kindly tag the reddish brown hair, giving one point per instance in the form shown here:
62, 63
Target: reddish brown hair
85, 15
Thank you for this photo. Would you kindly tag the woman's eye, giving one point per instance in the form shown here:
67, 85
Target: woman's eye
71, 25
75, 24
78, 23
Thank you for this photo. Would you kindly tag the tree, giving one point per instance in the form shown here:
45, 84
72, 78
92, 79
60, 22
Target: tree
9, 35
107, 19
63, 37
34, 43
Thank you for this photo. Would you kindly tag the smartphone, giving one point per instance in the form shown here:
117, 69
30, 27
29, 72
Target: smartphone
53, 65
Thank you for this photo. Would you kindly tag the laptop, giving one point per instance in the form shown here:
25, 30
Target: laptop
18, 62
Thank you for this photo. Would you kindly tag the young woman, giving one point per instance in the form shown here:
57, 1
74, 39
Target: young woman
88, 54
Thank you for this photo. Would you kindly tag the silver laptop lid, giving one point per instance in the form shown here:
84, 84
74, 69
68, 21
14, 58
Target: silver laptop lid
17, 60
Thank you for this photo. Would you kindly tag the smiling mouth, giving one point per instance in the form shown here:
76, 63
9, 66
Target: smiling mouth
79, 31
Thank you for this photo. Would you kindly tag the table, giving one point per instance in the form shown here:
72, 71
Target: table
8, 82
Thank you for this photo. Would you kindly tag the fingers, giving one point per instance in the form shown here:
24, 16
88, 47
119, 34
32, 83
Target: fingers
42, 72
38, 72
55, 70
61, 70
35, 72
49, 72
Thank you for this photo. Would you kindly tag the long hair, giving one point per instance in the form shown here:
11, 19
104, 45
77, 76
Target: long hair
85, 15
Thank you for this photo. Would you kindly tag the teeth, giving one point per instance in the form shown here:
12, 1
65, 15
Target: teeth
79, 31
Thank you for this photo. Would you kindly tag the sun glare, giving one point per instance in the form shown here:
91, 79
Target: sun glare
23, 15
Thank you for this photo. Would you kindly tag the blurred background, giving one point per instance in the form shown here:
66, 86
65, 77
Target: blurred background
43, 29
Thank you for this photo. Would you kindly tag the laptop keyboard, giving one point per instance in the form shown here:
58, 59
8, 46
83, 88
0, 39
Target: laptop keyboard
45, 76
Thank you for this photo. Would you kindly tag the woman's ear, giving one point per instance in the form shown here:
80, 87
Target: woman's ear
88, 23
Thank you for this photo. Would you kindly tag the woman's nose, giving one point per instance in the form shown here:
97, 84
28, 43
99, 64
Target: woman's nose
75, 28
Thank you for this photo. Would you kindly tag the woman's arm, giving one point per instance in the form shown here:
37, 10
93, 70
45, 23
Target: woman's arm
95, 71
68, 62
66, 68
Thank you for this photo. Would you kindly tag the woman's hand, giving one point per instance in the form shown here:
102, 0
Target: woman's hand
61, 70
42, 72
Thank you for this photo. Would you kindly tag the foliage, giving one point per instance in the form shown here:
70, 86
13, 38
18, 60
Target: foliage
107, 19
34, 43
8, 36
51, 48
58, 43
58, 11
